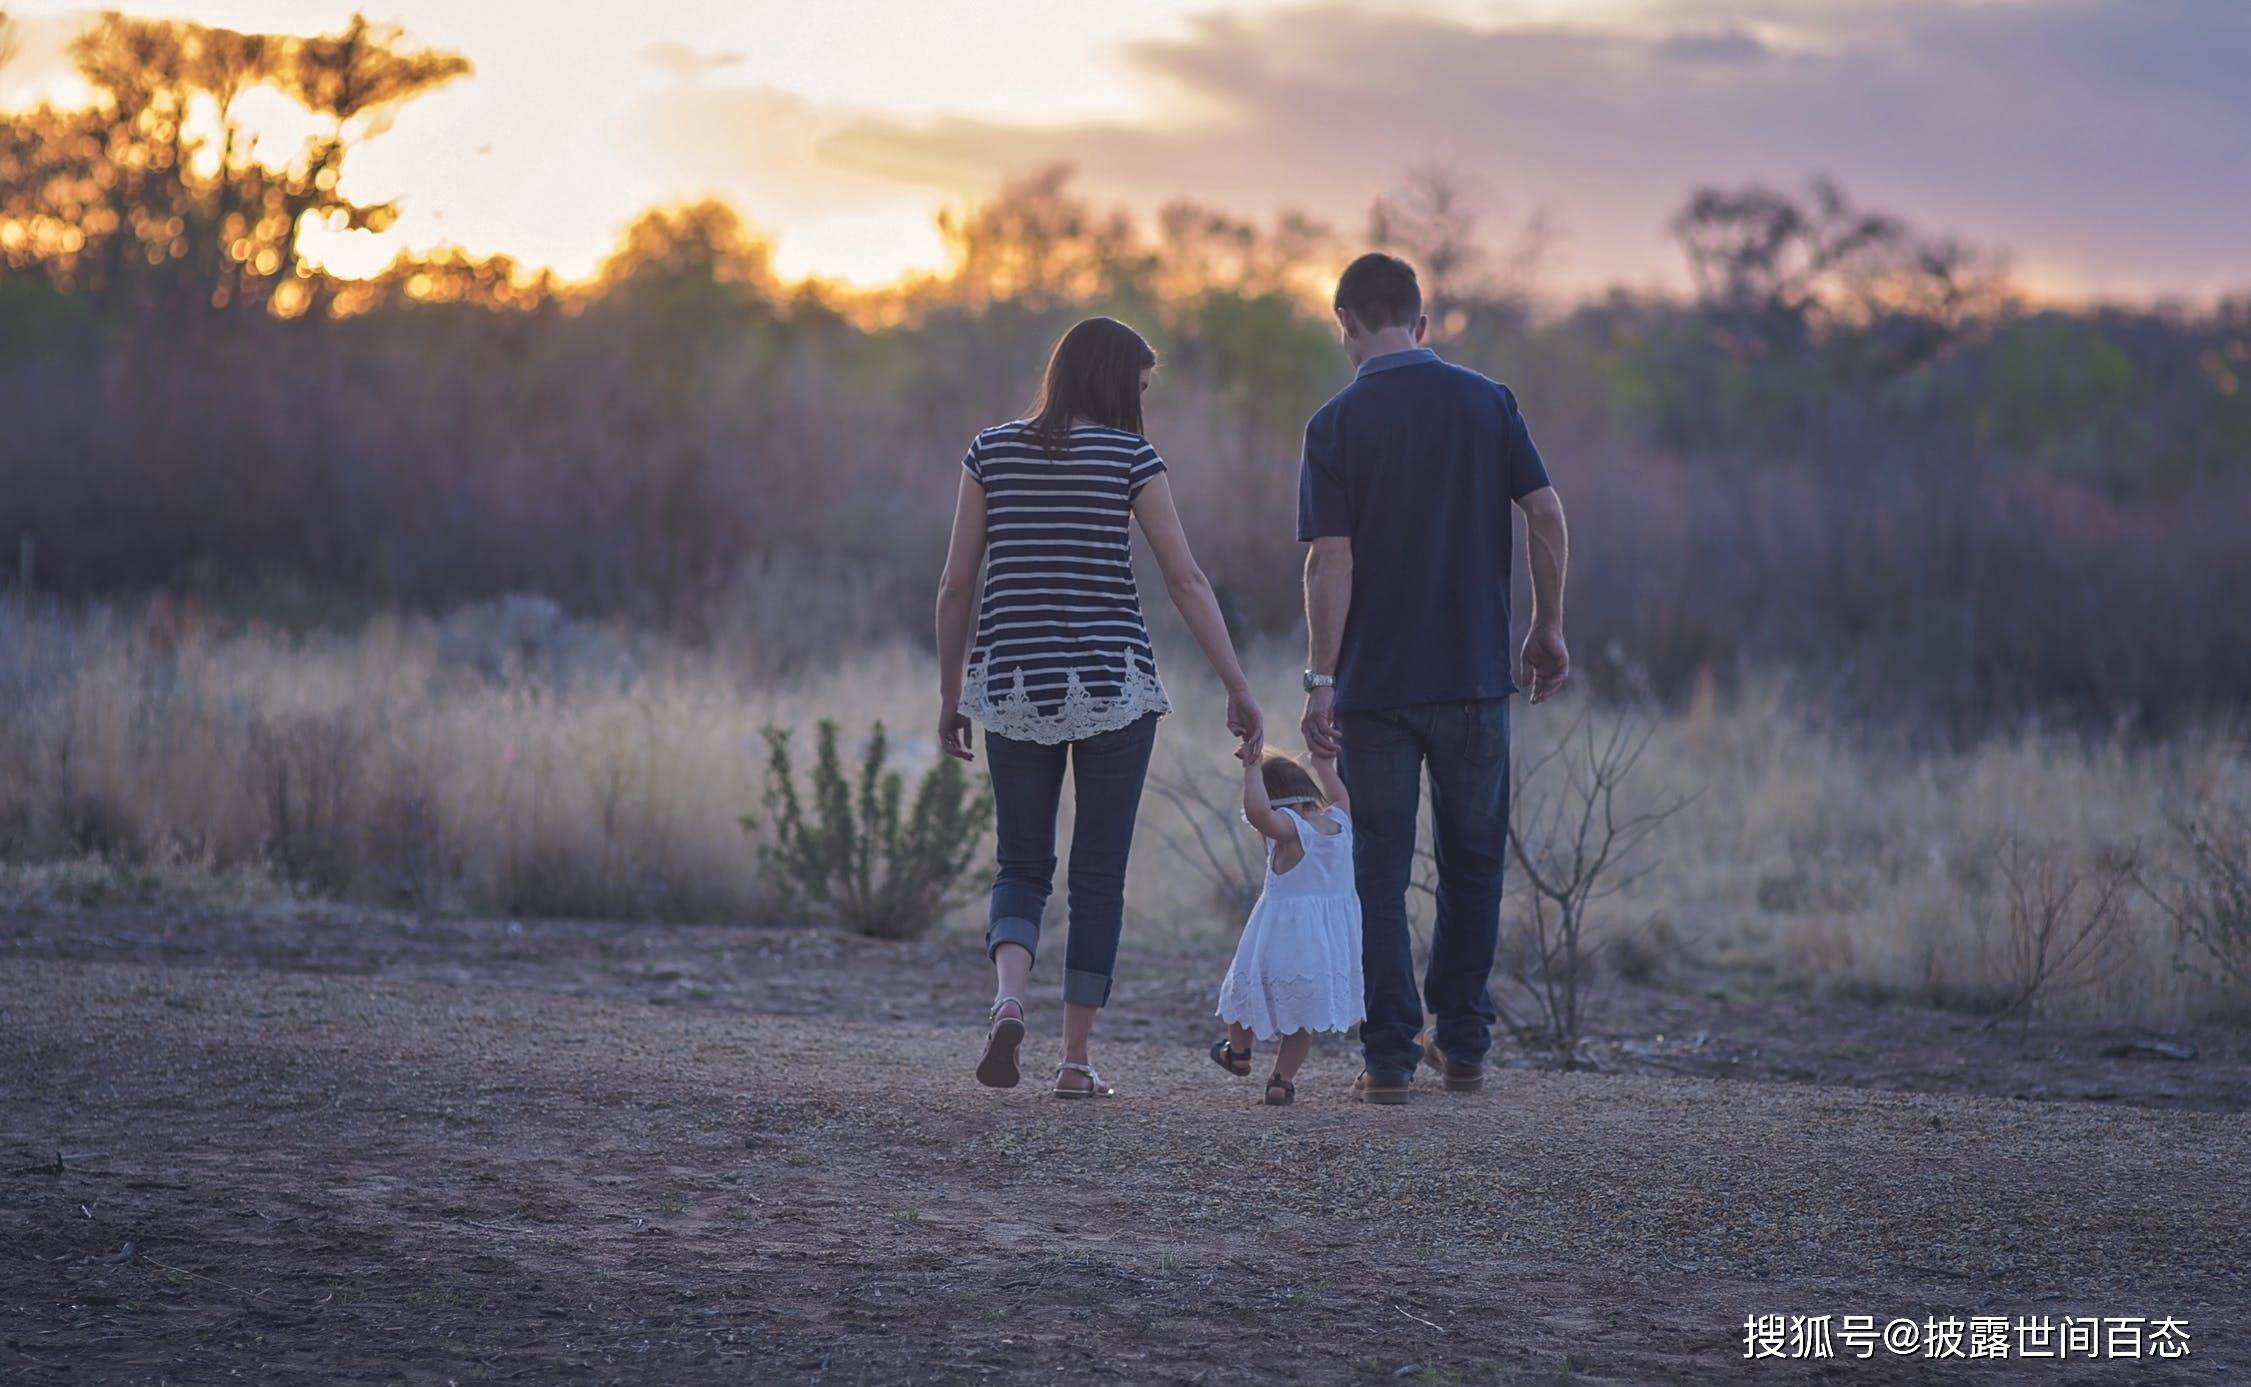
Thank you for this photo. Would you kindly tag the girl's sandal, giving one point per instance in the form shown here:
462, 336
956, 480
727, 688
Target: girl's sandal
1226, 1056
1096, 1086
1003, 1044
1288, 1091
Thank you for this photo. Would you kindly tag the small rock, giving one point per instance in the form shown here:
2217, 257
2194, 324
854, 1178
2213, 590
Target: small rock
2150, 1046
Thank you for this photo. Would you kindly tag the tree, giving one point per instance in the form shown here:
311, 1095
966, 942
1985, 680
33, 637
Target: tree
1434, 219
703, 244
1201, 250
448, 275
156, 193
1038, 245
1773, 272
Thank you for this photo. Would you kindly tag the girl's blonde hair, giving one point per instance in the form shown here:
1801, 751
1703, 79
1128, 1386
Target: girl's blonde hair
1286, 777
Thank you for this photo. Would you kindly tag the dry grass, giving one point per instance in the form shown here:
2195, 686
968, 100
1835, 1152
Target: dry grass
594, 771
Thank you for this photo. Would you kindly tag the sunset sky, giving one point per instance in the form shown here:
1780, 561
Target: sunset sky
2106, 143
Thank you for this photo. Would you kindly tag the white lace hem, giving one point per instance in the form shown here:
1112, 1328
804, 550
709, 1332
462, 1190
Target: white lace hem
1277, 1006
1080, 714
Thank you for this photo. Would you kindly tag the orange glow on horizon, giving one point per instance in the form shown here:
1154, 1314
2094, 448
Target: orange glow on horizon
840, 132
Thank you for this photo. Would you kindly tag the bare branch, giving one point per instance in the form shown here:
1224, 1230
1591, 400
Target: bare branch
1573, 843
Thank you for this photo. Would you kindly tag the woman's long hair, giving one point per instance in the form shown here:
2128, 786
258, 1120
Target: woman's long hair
1094, 374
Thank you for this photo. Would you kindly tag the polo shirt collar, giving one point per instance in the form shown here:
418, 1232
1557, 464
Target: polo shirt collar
1389, 361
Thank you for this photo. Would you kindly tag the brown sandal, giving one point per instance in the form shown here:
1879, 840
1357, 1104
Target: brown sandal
1226, 1056
999, 1068
1289, 1091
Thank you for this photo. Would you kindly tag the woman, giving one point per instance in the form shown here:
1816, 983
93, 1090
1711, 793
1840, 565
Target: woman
1062, 671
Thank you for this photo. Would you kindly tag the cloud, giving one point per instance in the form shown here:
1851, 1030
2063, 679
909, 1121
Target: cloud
771, 150
2102, 140
1716, 46
686, 64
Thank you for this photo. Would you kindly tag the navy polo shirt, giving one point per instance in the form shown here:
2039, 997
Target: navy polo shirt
1417, 462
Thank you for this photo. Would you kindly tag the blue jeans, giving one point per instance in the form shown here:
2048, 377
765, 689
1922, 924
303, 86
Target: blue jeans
1106, 775
1466, 746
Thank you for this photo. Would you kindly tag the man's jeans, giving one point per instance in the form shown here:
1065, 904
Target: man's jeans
1466, 745
1107, 772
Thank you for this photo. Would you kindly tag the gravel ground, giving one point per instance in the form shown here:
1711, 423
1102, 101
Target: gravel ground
371, 1151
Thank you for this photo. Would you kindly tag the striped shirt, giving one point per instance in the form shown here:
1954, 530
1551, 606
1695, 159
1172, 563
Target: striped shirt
1061, 651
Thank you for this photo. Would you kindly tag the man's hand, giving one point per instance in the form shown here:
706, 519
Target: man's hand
1547, 661
1320, 724
953, 733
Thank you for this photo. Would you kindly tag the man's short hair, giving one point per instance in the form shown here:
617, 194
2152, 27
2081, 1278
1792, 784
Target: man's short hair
1380, 291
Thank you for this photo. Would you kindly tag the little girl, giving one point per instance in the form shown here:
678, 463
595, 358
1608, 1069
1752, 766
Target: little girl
1297, 969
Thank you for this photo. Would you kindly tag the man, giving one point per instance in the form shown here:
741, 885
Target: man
1404, 497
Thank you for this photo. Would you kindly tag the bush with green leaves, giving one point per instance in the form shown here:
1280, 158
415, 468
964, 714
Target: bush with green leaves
851, 855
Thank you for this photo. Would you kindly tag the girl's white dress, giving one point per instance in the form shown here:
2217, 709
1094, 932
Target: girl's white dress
1298, 965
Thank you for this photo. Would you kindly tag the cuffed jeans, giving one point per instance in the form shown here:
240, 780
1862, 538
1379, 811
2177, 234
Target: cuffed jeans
1466, 746
1107, 771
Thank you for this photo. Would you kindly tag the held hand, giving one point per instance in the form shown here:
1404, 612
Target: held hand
1244, 719
1249, 753
1320, 723
954, 734
1547, 662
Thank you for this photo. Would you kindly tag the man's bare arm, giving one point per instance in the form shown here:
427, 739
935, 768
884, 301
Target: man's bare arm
1328, 597
1547, 544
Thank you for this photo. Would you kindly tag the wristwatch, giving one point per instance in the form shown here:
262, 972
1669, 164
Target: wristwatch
1319, 681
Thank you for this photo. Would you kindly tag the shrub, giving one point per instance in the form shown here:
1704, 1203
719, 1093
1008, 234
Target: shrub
2063, 925
307, 769
1573, 843
2209, 899
854, 859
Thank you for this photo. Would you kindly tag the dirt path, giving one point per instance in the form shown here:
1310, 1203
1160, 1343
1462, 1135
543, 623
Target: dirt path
430, 1172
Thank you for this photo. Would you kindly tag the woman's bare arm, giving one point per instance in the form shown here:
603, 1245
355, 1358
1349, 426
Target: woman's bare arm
957, 596
1192, 595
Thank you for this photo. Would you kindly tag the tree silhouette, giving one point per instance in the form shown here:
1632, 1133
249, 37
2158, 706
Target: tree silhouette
1435, 219
448, 275
1038, 245
157, 194
1771, 270
700, 245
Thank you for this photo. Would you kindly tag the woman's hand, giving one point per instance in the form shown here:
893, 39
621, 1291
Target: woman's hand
1244, 719
953, 733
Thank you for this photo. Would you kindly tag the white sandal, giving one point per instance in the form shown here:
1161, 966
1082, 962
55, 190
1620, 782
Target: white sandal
1096, 1085
999, 1067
